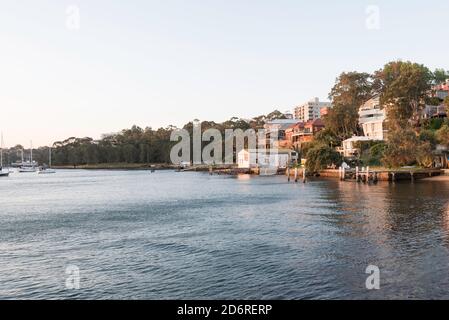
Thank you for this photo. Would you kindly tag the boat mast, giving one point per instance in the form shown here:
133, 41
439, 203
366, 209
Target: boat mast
1, 152
31, 152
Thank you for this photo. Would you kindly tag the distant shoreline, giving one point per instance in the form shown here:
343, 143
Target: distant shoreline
118, 166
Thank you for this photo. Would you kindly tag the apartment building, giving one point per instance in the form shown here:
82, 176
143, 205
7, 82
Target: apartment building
310, 110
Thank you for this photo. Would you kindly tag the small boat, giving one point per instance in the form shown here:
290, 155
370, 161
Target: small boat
49, 170
3, 173
27, 169
28, 166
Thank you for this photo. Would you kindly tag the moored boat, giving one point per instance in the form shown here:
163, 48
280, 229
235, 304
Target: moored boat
47, 170
28, 166
2, 173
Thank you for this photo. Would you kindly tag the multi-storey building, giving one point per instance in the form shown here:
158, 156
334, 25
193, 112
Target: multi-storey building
310, 110
275, 133
441, 91
303, 132
372, 118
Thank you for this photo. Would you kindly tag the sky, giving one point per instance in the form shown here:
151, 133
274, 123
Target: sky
88, 67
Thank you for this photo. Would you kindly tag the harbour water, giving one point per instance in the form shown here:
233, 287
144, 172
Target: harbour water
137, 235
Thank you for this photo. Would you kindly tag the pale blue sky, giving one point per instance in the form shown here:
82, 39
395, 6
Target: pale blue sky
155, 63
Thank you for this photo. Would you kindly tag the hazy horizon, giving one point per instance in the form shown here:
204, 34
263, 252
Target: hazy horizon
85, 68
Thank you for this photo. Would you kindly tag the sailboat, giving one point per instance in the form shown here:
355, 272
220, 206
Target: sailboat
48, 170
28, 166
2, 173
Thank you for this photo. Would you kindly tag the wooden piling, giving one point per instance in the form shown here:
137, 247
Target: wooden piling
304, 175
296, 174
288, 174
357, 174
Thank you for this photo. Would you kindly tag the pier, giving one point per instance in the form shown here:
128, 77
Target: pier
368, 175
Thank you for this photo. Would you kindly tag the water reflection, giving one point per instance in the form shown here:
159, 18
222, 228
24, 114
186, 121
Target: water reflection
196, 236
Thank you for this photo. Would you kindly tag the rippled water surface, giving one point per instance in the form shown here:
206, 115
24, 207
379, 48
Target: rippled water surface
137, 235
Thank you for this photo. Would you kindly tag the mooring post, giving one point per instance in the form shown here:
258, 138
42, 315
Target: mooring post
339, 173
296, 174
357, 174
411, 176
288, 174
343, 174
304, 175
367, 174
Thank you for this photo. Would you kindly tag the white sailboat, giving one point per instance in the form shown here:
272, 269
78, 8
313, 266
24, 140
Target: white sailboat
48, 170
2, 173
28, 166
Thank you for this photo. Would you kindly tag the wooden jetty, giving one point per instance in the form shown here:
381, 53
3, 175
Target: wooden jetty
368, 175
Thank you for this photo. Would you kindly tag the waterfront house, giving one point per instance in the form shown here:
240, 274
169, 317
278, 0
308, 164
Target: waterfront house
254, 158
277, 128
303, 132
349, 148
372, 119
441, 91
434, 111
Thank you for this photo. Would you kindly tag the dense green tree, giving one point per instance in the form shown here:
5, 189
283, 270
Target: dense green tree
327, 137
350, 91
320, 156
371, 152
440, 76
401, 147
276, 114
424, 155
428, 136
442, 135
403, 88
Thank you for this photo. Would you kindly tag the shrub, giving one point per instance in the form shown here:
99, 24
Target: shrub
320, 156
373, 155
442, 135
424, 155
401, 148
428, 136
